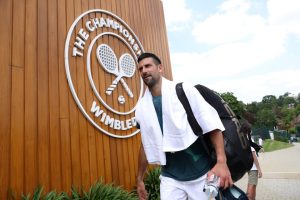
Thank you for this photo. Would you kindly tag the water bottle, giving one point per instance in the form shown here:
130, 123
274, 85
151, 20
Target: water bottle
211, 187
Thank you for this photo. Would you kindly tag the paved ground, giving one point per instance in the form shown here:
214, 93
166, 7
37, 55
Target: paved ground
281, 175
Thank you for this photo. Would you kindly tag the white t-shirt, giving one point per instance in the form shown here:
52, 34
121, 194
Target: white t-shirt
260, 141
253, 166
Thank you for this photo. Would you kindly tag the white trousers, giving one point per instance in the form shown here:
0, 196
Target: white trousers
171, 189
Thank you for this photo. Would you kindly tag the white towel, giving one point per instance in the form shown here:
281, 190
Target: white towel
177, 134
151, 133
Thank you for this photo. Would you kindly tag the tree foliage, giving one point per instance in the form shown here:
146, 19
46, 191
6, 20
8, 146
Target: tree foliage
236, 106
269, 100
266, 118
271, 112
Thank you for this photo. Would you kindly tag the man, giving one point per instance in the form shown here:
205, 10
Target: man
255, 172
168, 140
260, 141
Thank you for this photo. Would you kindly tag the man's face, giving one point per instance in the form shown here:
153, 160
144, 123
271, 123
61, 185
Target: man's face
149, 71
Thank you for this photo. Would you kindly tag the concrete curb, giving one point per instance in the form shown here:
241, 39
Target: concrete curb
281, 175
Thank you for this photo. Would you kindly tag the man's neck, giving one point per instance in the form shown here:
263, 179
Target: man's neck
156, 89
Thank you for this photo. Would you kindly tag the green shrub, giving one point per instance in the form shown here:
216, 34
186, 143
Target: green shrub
103, 191
53, 195
297, 129
152, 183
98, 191
281, 136
292, 130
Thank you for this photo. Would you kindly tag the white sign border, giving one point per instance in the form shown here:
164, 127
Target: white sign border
69, 74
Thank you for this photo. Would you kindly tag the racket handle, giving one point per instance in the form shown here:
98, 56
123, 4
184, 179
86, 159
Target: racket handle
126, 88
114, 84
110, 89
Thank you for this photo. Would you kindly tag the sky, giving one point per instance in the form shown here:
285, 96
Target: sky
248, 47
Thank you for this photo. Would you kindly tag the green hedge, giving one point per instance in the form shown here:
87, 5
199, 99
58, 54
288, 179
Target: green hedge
152, 183
98, 191
281, 136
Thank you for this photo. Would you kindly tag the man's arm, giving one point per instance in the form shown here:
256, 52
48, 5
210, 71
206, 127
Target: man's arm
220, 169
257, 164
142, 166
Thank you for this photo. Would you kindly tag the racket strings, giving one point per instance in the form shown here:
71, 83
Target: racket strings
108, 58
128, 65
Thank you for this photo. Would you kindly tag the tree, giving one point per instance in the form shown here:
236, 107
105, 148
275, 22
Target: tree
289, 100
280, 100
250, 112
269, 101
297, 110
287, 117
266, 118
268, 113
253, 108
236, 106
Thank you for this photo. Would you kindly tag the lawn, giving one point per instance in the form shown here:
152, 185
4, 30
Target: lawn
272, 145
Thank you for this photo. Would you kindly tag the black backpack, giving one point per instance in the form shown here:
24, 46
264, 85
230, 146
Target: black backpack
237, 146
257, 147
232, 193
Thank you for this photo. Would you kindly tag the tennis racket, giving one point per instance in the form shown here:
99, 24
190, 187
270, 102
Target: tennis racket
127, 69
108, 60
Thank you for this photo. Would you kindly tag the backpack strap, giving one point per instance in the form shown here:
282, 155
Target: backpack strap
190, 115
254, 145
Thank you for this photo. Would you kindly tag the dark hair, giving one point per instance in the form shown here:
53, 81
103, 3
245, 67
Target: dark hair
246, 127
149, 55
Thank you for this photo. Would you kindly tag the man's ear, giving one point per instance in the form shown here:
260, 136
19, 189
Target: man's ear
160, 68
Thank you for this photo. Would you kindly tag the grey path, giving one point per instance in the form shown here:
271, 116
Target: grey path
281, 175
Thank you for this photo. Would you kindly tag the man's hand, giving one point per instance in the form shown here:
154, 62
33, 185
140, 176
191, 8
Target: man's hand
259, 173
142, 166
221, 170
141, 190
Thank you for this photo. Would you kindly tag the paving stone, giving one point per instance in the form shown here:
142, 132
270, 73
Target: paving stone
281, 175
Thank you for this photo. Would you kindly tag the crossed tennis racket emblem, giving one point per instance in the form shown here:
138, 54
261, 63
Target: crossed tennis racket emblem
108, 60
